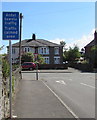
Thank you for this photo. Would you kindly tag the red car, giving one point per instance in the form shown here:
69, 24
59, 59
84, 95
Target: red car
28, 65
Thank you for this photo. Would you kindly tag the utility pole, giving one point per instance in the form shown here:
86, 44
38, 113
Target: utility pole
10, 83
21, 16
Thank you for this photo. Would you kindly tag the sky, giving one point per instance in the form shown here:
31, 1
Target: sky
72, 22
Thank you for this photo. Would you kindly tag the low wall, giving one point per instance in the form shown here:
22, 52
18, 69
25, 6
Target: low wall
17, 76
53, 66
82, 67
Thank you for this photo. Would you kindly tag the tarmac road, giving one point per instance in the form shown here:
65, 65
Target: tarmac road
75, 89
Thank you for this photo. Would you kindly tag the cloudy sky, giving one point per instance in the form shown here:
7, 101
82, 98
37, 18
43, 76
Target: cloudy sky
72, 22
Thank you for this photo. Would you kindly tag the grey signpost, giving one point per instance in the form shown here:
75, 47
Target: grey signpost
10, 32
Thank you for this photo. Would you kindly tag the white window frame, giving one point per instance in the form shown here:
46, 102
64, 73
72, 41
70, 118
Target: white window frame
43, 50
56, 50
25, 49
56, 60
28, 49
46, 60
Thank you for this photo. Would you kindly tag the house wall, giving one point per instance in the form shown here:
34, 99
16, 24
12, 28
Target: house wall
15, 54
61, 55
49, 53
87, 52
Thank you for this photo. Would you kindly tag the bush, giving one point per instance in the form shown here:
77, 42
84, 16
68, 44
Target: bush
27, 57
5, 68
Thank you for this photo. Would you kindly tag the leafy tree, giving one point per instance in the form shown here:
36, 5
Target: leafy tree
27, 57
72, 54
62, 43
65, 55
1, 47
40, 59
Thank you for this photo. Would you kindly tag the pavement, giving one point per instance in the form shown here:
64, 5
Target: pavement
35, 100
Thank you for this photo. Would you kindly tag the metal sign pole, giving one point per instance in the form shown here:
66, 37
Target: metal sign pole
10, 32
36, 71
10, 83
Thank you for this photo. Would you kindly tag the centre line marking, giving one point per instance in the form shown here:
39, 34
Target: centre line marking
87, 85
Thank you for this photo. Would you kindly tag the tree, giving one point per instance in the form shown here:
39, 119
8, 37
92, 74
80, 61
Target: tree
72, 54
40, 59
27, 57
1, 47
62, 43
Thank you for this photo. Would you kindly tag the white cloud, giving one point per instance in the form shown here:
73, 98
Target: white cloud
81, 42
57, 40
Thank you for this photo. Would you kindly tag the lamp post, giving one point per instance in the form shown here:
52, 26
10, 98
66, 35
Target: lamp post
21, 16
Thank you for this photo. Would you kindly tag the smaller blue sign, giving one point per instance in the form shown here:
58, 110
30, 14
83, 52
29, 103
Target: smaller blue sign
10, 26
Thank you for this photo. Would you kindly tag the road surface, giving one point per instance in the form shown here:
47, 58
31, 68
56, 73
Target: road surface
74, 88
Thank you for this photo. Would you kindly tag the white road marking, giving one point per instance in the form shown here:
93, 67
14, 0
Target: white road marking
87, 85
14, 116
61, 82
74, 115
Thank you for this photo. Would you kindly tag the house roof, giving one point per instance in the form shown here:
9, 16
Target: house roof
36, 43
92, 43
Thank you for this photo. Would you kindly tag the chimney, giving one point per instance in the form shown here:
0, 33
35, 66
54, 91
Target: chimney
33, 37
95, 37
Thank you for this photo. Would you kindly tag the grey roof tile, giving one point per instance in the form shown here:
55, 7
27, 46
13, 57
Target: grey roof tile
92, 43
36, 43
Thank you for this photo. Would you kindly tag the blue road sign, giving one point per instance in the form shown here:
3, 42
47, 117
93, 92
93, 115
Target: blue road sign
10, 26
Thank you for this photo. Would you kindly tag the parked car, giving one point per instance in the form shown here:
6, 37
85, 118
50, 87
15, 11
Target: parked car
28, 65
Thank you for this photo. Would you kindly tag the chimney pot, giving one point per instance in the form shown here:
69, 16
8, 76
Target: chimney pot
95, 37
33, 36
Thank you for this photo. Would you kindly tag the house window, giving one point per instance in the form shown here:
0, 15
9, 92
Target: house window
56, 50
25, 49
46, 60
28, 49
56, 60
43, 50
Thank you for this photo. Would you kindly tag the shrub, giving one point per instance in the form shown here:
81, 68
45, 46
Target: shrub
5, 68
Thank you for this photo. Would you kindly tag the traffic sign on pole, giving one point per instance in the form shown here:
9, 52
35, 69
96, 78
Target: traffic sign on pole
10, 32
10, 26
